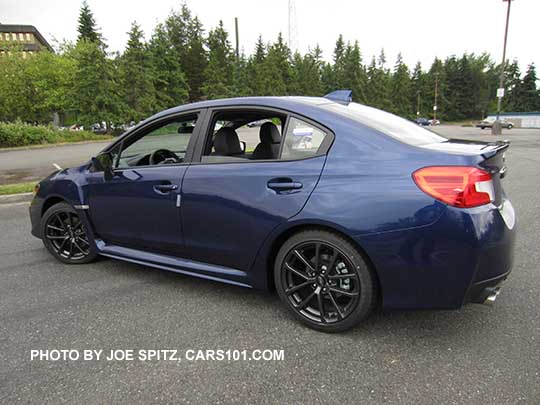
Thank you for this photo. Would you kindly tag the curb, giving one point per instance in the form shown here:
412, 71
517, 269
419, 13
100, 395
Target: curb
54, 145
15, 198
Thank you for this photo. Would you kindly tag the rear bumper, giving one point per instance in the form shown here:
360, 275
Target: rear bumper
460, 258
481, 291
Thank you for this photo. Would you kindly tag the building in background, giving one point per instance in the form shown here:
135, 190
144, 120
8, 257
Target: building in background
520, 119
25, 38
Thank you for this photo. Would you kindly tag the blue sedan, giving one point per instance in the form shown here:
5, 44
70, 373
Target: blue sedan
338, 206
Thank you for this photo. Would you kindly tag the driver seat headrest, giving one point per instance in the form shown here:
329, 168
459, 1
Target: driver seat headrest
226, 142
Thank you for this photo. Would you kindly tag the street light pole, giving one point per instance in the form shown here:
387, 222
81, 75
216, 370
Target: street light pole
496, 127
418, 103
435, 101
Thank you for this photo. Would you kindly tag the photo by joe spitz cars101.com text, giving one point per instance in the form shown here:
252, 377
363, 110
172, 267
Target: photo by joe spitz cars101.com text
338, 206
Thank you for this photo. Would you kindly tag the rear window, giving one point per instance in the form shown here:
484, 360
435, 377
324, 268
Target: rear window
389, 124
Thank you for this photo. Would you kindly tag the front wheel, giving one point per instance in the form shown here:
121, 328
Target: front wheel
324, 281
65, 235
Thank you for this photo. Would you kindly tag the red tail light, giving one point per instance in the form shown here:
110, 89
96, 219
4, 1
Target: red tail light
459, 186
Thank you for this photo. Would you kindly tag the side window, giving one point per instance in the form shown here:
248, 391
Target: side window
302, 140
165, 144
243, 136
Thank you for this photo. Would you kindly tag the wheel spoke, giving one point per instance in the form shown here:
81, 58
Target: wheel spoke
340, 314
333, 261
62, 245
292, 290
70, 250
81, 239
61, 221
321, 307
297, 272
56, 236
344, 292
343, 276
305, 301
78, 226
55, 228
78, 247
317, 250
304, 260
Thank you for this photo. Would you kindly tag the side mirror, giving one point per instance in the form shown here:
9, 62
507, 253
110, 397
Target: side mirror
243, 146
104, 163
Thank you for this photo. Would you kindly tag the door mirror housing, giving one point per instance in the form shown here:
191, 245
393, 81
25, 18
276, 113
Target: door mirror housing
243, 146
104, 163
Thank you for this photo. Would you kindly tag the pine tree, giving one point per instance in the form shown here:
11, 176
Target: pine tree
195, 61
512, 81
277, 71
94, 93
307, 73
87, 25
219, 71
400, 87
186, 36
136, 77
169, 80
353, 73
530, 96
377, 90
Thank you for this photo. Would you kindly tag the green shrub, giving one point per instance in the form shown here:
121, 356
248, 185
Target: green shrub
21, 134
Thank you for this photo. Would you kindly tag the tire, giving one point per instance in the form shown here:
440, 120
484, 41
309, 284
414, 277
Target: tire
510, 126
65, 235
340, 281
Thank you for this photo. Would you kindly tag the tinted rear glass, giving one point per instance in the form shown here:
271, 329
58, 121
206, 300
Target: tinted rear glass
389, 124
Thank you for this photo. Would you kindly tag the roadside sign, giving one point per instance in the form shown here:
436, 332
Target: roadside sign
500, 92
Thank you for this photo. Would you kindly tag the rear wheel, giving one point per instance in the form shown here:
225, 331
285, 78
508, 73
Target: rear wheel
65, 235
324, 281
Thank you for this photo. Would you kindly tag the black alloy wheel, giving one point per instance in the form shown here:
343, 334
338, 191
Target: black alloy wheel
64, 235
324, 281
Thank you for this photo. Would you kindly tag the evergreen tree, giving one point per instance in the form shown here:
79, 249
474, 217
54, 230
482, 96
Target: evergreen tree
219, 71
353, 73
400, 86
277, 71
377, 90
94, 93
168, 78
186, 37
195, 60
87, 25
136, 77
255, 68
530, 96
307, 73
512, 81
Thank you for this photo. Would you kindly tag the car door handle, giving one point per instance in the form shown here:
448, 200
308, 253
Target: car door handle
284, 184
165, 188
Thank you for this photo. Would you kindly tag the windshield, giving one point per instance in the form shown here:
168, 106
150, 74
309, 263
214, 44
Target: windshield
389, 124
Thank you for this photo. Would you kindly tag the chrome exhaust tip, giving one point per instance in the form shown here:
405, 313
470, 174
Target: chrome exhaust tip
494, 293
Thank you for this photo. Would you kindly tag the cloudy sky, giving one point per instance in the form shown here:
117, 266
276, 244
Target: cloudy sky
420, 29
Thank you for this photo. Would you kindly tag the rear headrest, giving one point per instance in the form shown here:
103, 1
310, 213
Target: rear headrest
226, 142
269, 133
185, 129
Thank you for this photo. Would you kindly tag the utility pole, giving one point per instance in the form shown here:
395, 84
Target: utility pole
435, 101
496, 128
418, 103
237, 40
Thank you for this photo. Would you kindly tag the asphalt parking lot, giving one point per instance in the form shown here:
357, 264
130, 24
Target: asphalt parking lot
478, 354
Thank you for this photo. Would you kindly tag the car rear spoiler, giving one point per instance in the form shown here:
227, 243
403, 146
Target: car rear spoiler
495, 148
340, 96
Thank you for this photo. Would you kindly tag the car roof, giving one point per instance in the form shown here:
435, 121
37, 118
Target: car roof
301, 105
